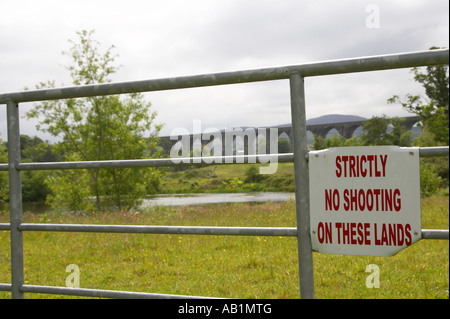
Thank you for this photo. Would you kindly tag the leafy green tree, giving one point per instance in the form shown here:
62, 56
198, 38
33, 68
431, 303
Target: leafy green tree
433, 112
98, 128
432, 109
430, 181
435, 165
70, 189
34, 149
252, 175
283, 145
321, 143
34, 186
375, 130
399, 135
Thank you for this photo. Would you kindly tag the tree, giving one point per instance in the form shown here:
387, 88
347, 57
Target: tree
34, 149
98, 128
252, 175
377, 132
400, 135
337, 140
284, 146
433, 111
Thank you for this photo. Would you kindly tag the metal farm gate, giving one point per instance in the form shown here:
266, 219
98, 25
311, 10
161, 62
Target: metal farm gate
295, 74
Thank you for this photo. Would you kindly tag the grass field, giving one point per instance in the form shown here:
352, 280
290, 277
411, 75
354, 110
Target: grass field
221, 266
227, 178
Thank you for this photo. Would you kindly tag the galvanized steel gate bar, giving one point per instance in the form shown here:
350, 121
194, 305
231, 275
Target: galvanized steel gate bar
374, 63
295, 74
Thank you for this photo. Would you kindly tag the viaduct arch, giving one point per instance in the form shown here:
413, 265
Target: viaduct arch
250, 135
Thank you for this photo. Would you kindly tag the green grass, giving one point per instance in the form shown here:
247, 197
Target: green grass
221, 266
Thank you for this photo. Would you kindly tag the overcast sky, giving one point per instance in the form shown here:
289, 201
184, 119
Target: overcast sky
167, 38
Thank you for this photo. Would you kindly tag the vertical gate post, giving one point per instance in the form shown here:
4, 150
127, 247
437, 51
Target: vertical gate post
15, 199
298, 113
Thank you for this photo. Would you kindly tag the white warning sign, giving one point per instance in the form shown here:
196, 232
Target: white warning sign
364, 200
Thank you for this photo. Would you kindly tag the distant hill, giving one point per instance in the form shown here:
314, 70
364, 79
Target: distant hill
334, 118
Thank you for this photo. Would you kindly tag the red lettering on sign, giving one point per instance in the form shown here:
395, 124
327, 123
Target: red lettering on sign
393, 235
383, 164
352, 165
363, 171
324, 233
360, 234
332, 199
361, 166
352, 233
338, 166
384, 200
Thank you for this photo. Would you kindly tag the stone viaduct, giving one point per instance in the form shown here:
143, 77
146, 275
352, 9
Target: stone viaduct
226, 140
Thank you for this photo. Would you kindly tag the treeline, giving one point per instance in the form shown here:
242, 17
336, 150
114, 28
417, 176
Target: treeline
37, 185
32, 149
379, 130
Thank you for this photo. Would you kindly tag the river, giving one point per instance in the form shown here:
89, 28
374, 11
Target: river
183, 199
215, 198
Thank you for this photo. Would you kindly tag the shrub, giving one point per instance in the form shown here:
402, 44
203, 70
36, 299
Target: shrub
429, 180
252, 175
